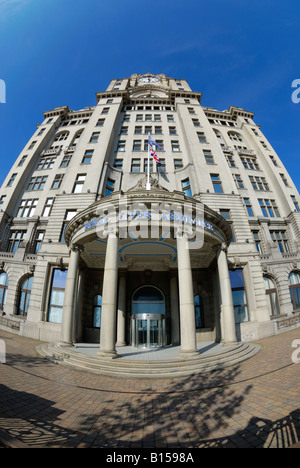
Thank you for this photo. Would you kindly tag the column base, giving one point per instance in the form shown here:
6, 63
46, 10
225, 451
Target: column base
62, 344
229, 343
108, 354
121, 343
188, 355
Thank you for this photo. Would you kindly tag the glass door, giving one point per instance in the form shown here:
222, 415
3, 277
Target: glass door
142, 333
148, 331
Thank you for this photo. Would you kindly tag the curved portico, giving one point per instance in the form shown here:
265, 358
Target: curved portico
150, 238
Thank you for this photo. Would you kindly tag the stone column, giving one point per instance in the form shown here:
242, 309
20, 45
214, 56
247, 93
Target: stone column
174, 311
67, 327
109, 299
227, 309
121, 325
186, 296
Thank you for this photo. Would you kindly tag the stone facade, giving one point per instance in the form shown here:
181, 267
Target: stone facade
58, 277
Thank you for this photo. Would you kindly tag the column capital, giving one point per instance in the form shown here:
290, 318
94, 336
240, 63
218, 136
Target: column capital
77, 248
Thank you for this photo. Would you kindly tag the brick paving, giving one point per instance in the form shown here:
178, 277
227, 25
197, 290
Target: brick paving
254, 404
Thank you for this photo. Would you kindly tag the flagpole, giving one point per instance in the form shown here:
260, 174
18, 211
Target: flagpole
148, 186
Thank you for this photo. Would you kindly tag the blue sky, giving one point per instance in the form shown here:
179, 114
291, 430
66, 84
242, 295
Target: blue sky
236, 52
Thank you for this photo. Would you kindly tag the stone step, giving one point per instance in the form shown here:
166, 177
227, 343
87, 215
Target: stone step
148, 369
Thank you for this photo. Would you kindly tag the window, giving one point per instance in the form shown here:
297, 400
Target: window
294, 284
21, 163
157, 118
269, 208
110, 187
48, 207
170, 118
38, 241
97, 311
296, 204
235, 136
25, 295
68, 217
2, 200
191, 110
202, 137
118, 164
62, 136
227, 216
264, 145
284, 179
178, 164
139, 130
124, 131
259, 184
121, 145
46, 163
37, 183
95, 137
272, 296
199, 311
186, 187
250, 163
15, 239
230, 160
100, 123
175, 146
239, 296
32, 145
139, 118
273, 159
57, 295
66, 160
146, 165
161, 168
257, 240
87, 158
208, 157
196, 122
105, 110
172, 131
57, 181
27, 208
248, 206
137, 145
158, 131
79, 183
279, 238
135, 165
11, 180
217, 184
3, 289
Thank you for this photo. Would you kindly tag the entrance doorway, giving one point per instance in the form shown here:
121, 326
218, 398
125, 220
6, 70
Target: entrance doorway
148, 318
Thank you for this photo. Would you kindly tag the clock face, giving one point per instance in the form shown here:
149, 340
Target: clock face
148, 79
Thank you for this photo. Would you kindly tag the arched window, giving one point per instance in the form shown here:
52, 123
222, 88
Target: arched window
148, 300
234, 136
97, 311
3, 289
24, 301
199, 311
294, 282
272, 296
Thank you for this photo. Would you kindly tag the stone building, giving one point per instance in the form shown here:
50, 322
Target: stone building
99, 243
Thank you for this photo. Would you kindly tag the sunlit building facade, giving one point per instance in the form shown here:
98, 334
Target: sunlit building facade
63, 279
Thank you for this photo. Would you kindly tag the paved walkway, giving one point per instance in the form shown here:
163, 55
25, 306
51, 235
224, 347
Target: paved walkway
253, 404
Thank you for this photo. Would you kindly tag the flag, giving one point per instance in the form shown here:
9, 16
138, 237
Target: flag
155, 157
153, 143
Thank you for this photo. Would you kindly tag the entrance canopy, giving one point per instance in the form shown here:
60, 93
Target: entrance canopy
147, 224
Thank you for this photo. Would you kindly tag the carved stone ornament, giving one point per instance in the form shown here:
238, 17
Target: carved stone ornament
141, 185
